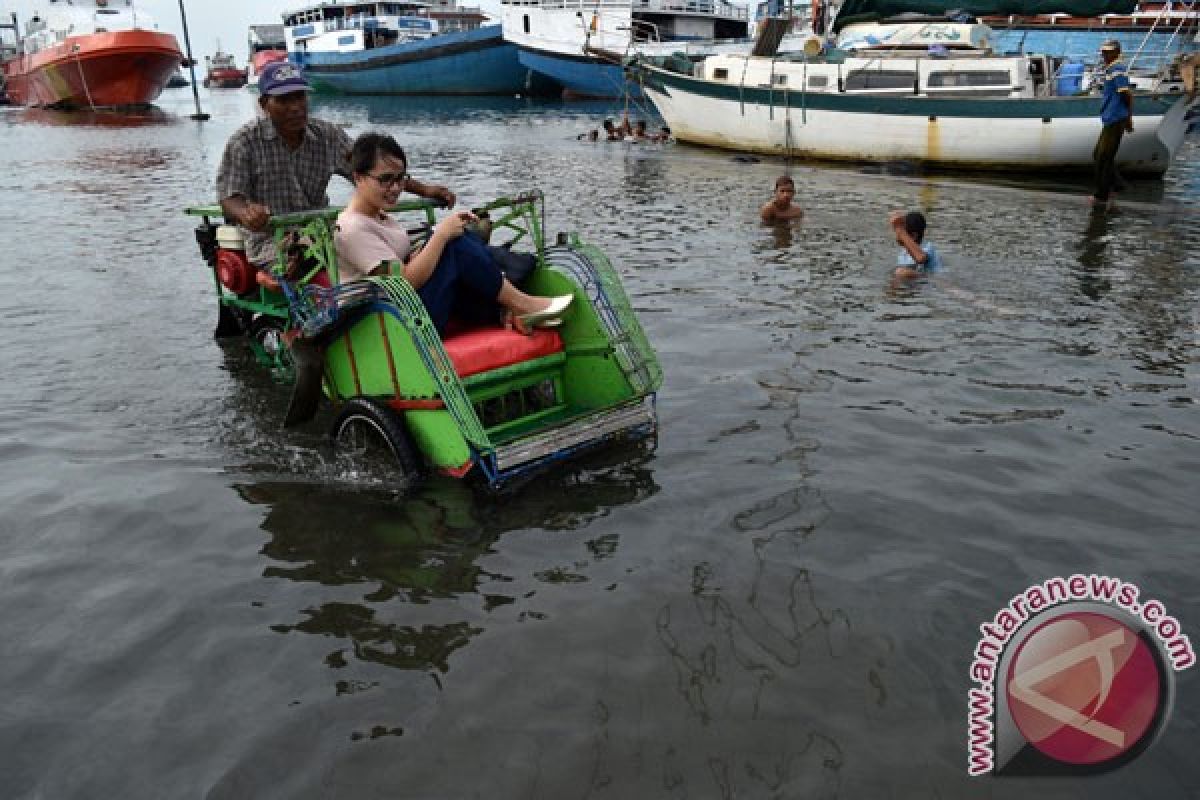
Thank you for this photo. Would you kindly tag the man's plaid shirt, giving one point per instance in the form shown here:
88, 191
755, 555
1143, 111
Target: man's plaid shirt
261, 168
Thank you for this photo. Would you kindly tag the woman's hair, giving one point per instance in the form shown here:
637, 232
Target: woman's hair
369, 147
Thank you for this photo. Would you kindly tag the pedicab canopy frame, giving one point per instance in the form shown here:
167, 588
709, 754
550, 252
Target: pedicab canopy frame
505, 402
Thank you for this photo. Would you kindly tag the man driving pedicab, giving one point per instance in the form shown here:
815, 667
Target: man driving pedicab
282, 162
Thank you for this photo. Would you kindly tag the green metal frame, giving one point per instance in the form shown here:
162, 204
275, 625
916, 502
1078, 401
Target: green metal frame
391, 351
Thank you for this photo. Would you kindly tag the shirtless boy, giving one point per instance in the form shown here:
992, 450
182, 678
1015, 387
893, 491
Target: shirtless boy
780, 207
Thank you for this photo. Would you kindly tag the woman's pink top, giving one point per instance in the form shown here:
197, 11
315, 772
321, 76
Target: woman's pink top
364, 242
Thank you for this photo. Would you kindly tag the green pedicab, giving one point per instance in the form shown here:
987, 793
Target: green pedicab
487, 397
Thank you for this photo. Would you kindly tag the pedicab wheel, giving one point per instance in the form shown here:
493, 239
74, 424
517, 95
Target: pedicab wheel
374, 437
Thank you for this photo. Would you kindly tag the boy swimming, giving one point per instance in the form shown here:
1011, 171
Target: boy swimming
916, 255
780, 207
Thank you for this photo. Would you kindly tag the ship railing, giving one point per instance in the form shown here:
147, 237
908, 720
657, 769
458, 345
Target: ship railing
1165, 18
710, 8
1146, 60
358, 21
719, 8
642, 31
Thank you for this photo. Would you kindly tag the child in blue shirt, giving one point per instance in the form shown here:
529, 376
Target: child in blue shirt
916, 256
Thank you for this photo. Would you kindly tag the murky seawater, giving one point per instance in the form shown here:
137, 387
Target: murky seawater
779, 600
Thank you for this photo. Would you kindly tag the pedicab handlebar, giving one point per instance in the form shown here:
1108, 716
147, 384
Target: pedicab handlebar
299, 218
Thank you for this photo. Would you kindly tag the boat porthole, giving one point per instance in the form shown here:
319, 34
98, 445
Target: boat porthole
933, 118
1045, 120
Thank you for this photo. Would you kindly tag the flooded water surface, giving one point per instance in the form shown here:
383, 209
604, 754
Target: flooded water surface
779, 598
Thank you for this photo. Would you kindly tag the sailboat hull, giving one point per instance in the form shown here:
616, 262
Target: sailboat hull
1022, 134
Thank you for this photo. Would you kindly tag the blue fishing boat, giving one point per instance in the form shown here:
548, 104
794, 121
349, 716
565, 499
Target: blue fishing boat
405, 48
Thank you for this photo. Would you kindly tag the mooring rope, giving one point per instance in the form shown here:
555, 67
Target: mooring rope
79, 65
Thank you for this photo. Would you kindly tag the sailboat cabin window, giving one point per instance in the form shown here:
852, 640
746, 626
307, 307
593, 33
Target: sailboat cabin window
720, 74
526, 20
781, 80
970, 79
818, 81
859, 80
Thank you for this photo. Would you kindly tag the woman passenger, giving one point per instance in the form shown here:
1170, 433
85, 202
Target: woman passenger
452, 273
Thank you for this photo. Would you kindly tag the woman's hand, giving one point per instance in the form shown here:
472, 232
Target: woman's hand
453, 226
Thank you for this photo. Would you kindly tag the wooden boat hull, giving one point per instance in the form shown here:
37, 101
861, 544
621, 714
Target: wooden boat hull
580, 75
1019, 134
225, 79
477, 62
102, 70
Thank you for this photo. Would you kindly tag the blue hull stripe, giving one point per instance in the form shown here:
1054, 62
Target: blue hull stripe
580, 75
472, 62
908, 105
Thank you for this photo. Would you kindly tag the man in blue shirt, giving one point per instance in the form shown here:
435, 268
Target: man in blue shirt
1116, 114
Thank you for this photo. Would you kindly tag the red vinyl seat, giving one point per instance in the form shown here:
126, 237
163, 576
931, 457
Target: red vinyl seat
484, 349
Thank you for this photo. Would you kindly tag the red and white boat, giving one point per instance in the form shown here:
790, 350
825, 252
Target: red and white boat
266, 44
223, 72
90, 54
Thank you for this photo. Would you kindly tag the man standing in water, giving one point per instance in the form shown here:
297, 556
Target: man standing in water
1116, 114
282, 162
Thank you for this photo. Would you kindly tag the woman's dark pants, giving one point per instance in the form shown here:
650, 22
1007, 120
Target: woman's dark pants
464, 284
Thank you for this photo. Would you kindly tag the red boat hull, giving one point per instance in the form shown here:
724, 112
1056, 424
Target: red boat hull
264, 57
225, 78
101, 70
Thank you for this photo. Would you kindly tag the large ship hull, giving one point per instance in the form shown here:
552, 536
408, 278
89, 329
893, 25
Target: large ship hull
100, 70
259, 61
580, 76
1017, 134
474, 62
583, 47
225, 79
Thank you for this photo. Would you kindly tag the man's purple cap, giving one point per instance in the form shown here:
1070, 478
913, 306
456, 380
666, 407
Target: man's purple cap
282, 77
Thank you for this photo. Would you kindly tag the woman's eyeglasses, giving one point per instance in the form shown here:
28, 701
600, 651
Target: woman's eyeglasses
391, 178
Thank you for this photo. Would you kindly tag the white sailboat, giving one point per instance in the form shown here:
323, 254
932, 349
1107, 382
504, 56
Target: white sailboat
923, 90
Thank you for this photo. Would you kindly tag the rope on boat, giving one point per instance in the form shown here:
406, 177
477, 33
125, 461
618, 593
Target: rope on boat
742, 85
627, 98
79, 65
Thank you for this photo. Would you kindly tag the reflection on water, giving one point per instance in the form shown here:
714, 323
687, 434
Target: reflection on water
453, 111
1093, 249
100, 118
424, 547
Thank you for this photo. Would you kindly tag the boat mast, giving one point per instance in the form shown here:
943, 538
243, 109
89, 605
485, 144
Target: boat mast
191, 63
